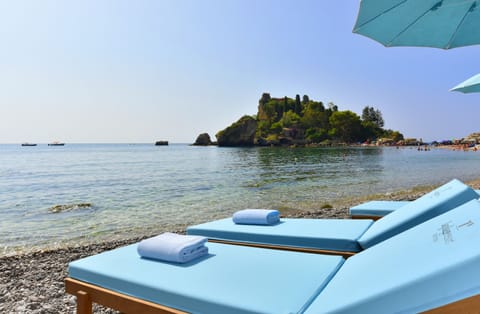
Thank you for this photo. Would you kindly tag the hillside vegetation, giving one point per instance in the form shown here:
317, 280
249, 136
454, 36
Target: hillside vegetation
302, 120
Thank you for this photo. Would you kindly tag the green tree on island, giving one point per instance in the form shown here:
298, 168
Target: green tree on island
370, 114
346, 126
298, 105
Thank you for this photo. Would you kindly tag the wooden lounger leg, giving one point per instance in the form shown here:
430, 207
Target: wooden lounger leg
84, 303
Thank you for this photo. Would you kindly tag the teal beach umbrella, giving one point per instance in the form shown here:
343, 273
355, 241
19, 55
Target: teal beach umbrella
472, 85
425, 23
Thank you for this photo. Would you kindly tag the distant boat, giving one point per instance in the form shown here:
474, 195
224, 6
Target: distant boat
28, 144
56, 144
159, 143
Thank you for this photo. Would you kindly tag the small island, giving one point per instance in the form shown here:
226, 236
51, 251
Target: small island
305, 122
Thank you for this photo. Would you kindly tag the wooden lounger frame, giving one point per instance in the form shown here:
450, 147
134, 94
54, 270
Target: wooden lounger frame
285, 248
468, 305
87, 293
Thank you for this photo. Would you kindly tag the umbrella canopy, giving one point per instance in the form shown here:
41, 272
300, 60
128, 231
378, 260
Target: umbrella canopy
472, 85
426, 23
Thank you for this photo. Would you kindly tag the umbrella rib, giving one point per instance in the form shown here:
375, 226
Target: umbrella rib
381, 13
435, 6
472, 7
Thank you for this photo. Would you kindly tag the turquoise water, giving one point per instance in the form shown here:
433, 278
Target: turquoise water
129, 189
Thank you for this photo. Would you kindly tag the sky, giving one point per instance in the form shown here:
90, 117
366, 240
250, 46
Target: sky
140, 71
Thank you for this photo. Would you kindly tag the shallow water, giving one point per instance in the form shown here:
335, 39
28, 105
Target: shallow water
117, 190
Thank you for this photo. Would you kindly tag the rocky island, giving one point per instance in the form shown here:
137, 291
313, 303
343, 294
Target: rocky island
203, 140
302, 121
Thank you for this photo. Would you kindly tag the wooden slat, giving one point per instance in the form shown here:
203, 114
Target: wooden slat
88, 293
466, 306
365, 217
285, 248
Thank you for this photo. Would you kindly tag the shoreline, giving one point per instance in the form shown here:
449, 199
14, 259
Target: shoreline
33, 282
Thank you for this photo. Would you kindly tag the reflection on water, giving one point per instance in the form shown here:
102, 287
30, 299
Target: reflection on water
133, 188
310, 169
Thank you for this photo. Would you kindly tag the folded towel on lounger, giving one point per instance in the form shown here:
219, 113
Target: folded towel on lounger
256, 217
173, 247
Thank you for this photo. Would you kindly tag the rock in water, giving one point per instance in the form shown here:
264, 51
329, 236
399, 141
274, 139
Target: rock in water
203, 140
240, 133
68, 207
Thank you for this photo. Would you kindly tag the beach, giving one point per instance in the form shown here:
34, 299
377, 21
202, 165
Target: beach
34, 282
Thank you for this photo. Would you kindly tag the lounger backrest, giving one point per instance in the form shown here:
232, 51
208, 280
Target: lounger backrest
437, 202
431, 265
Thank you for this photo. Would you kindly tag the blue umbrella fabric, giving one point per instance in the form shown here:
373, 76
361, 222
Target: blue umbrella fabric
472, 85
423, 23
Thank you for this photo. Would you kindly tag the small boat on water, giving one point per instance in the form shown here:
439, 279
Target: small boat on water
29, 144
56, 144
161, 143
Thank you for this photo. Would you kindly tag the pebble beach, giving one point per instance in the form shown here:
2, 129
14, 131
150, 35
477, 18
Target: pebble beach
34, 282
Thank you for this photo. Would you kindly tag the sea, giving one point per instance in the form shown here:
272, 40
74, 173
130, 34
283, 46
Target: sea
52, 196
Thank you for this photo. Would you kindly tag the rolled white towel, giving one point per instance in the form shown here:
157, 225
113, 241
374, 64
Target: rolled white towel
173, 247
256, 216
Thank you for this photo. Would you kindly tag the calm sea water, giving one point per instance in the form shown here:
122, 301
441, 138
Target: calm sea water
132, 189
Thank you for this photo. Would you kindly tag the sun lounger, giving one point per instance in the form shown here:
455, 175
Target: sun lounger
338, 236
431, 267
327, 236
232, 279
377, 209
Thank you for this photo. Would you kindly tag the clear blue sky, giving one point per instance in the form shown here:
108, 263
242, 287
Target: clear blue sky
140, 71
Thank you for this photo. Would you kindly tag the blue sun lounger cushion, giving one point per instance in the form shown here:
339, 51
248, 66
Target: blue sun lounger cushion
430, 265
376, 208
325, 234
379, 208
173, 247
437, 202
256, 216
230, 280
